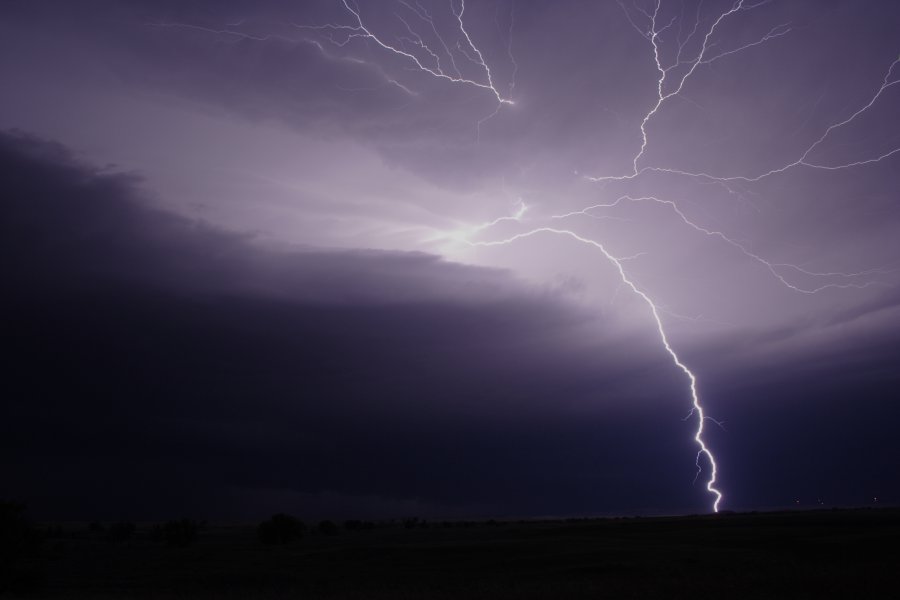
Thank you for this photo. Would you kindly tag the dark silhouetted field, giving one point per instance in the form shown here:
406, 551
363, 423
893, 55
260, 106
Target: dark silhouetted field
818, 554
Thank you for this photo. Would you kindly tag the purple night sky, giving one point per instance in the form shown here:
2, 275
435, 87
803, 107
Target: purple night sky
402, 258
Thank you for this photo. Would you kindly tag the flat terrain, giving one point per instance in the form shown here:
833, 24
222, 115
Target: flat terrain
816, 554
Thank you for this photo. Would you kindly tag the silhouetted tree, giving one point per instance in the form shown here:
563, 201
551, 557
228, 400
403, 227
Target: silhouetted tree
181, 533
357, 525
20, 545
328, 527
120, 532
54, 532
280, 529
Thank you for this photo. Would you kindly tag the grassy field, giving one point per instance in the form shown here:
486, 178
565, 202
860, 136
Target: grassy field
817, 554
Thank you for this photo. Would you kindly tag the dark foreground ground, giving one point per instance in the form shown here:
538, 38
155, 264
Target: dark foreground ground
818, 554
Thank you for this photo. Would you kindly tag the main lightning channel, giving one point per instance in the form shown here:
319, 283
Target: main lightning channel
696, 406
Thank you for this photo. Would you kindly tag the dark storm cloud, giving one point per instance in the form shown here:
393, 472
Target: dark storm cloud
179, 364
85, 225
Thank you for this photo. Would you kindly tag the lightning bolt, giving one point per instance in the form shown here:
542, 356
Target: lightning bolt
704, 56
696, 406
434, 68
430, 61
704, 452
653, 35
457, 59
773, 267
